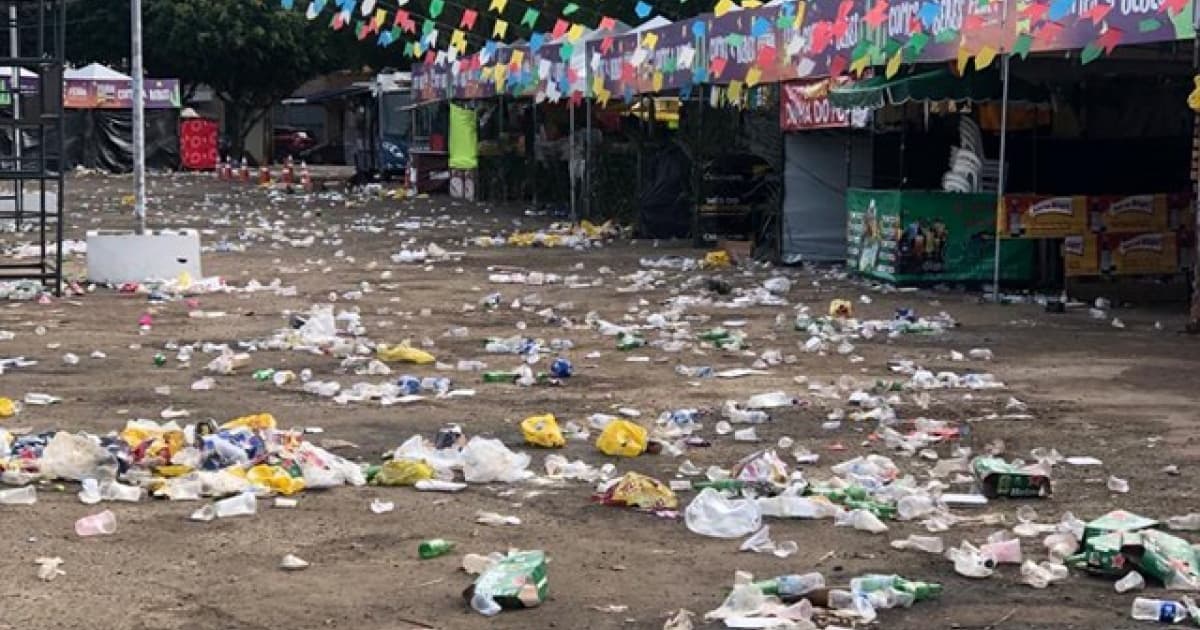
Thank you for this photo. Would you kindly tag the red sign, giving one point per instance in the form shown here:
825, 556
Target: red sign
806, 106
198, 144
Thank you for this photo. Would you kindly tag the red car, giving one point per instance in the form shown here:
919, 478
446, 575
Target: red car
292, 141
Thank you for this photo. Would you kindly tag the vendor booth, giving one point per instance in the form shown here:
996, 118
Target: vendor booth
928, 215
98, 125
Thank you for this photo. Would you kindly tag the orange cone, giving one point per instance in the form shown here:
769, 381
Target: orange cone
244, 171
264, 175
305, 177
288, 175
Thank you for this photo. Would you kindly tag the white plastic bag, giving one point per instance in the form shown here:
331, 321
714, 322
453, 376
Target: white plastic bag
712, 514
485, 461
75, 457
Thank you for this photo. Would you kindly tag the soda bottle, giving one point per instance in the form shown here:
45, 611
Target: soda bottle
714, 335
264, 374
920, 591
1161, 610
433, 548
500, 377
629, 341
790, 588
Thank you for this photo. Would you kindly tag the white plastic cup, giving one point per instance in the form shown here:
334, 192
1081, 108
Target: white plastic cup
102, 524
241, 505
113, 491
25, 495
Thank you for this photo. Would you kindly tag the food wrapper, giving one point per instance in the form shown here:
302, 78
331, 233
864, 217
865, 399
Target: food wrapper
637, 490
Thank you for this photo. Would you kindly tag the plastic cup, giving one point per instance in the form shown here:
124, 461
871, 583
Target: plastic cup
26, 495
114, 491
241, 505
101, 524
1004, 552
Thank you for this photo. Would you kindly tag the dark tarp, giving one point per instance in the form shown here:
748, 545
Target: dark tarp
666, 204
103, 139
933, 85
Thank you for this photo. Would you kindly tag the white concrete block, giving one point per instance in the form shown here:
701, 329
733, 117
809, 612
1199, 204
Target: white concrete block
118, 256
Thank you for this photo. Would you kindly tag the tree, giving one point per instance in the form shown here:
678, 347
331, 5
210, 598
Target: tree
251, 53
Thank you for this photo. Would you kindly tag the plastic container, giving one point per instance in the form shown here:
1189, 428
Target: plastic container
1161, 610
26, 495
101, 524
243, 504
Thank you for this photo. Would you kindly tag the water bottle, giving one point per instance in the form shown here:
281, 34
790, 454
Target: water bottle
1161, 610
790, 588
434, 548
561, 368
437, 384
409, 385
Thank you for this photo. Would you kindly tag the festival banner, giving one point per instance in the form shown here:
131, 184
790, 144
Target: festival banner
1096, 26
656, 60
806, 106
91, 94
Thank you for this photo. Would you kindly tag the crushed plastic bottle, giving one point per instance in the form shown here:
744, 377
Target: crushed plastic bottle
1160, 610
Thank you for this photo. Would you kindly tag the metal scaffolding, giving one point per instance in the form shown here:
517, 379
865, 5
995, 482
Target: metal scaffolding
31, 137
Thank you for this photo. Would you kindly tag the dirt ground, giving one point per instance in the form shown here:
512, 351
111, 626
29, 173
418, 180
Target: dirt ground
1125, 396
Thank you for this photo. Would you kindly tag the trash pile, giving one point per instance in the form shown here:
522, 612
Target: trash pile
585, 234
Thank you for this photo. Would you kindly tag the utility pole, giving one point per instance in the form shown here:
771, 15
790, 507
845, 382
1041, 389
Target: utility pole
139, 120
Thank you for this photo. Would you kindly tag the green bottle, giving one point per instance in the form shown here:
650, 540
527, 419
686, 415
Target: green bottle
920, 591
627, 341
716, 334
264, 375
434, 547
499, 377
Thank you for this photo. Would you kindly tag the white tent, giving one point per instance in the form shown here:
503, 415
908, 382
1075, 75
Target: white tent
6, 72
95, 72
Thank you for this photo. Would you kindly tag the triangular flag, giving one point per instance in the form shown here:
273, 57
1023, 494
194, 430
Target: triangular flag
984, 57
436, 7
753, 76
500, 29
530, 17
498, 6
722, 7
893, 64
468, 19
964, 56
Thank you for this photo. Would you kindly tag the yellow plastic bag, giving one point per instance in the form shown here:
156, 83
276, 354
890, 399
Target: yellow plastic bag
8, 408
624, 438
403, 353
716, 260
257, 422
275, 478
635, 490
841, 308
543, 431
402, 472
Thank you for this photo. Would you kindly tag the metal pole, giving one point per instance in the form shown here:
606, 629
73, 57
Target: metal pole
14, 91
139, 119
1005, 61
587, 159
571, 160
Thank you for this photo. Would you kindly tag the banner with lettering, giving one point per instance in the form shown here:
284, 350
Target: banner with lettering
93, 94
806, 106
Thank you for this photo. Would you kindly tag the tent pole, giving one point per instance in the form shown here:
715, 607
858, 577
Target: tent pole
1194, 316
14, 90
1005, 62
139, 120
587, 159
571, 159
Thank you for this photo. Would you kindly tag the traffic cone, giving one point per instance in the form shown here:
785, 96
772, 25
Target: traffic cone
288, 173
264, 175
306, 183
244, 171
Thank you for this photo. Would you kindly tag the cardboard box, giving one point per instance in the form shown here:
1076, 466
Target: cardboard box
1040, 216
1081, 255
1151, 253
1133, 213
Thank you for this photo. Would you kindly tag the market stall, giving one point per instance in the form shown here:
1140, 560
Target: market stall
933, 218
98, 123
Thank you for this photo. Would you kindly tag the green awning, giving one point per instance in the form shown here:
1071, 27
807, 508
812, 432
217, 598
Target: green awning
933, 85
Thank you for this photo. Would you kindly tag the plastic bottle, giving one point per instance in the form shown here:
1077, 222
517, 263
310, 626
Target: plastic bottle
790, 588
500, 377
1133, 581
930, 544
853, 603
629, 341
25, 495
1161, 610
434, 548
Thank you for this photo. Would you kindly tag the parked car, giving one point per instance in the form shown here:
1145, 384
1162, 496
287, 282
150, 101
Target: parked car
292, 141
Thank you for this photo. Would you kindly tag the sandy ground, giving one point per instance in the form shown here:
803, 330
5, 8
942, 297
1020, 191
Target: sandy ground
1125, 396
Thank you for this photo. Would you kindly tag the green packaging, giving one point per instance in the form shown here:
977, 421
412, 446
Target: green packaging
517, 581
998, 478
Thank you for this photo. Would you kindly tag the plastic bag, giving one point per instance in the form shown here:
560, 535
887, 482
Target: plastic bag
7, 408
543, 431
74, 457
636, 490
712, 514
274, 478
716, 260
485, 461
402, 472
403, 353
256, 422
624, 438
